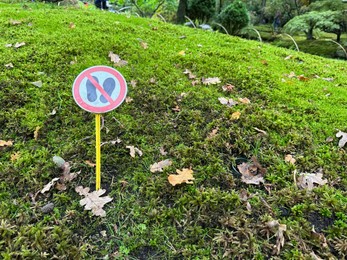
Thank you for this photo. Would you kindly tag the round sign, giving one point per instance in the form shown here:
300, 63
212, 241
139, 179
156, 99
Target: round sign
99, 89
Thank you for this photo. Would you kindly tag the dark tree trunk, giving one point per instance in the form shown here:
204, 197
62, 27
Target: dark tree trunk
338, 36
309, 34
181, 11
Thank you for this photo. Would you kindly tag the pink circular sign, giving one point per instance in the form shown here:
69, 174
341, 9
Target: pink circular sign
99, 89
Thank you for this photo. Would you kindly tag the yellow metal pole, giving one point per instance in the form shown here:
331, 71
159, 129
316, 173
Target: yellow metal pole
98, 152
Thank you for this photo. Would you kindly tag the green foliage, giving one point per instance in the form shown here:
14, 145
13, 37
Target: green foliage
234, 17
201, 10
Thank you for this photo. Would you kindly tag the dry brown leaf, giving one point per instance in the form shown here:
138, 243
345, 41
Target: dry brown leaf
162, 151
9, 66
8, 45
264, 62
117, 60
5, 143
229, 102
72, 25
244, 100
343, 140
291, 75
308, 180
290, 159
133, 83
37, 83
159, 166
89, 163
288, 57
19, 44
236, 115
68, 176
249, 172
280, 238
49, 185
15, 22
144, 45
182, 53
15, 156
93, 200
128, 100
213, 133
303, 78
134, 150
189, 73
195, 82
36, 132
210, 81
176, 108
228, 87
184, 176
152, 80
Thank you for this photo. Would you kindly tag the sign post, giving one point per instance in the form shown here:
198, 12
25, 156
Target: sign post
98, 90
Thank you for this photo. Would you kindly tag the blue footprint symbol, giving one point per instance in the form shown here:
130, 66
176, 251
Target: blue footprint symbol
109, 86
91, 90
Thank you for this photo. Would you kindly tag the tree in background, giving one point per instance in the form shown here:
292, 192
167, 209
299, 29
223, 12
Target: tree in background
182, 11
201, 10
234, 17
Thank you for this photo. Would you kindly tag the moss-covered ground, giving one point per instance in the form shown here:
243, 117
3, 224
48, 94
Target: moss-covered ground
218, 215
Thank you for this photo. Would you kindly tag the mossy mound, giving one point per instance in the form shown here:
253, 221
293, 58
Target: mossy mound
297, 103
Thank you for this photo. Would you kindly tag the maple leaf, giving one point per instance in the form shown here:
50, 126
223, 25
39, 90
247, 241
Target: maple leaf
343, 140
134, 150
236, 115
5, 143
49, 185
307, 180
210, 81
117, 60
184, 176
249, 172
228, 87
229, 102
290, 159
19, 44
162, 151
159, 166
93, 200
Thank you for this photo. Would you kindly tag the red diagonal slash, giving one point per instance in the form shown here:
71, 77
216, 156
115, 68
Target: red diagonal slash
100, 88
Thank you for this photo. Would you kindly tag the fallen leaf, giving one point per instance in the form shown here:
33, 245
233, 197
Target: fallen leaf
54, 111
291, 75
117, 60
144, 45
244, 100
184, 176
72, 25
68, 176
260, 131
162, 151
195, 82
117, 141
36, 132
5, 143
159, 166
228, 87
9, 45
264, 62
93, 200
134, 150
249, 173
213, 133
210, 81
176, 108
133, 83
229, 102
49, 185
15, 22
19, 44
343, 140
128, 100
37, 83
302, 78
152, 81
290, 159
9, 66
288, 57
314, 256
329, 139
307, 180
15, 156
182, 53
236, 115
189, 73
328, 79
280, 238
89, 163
